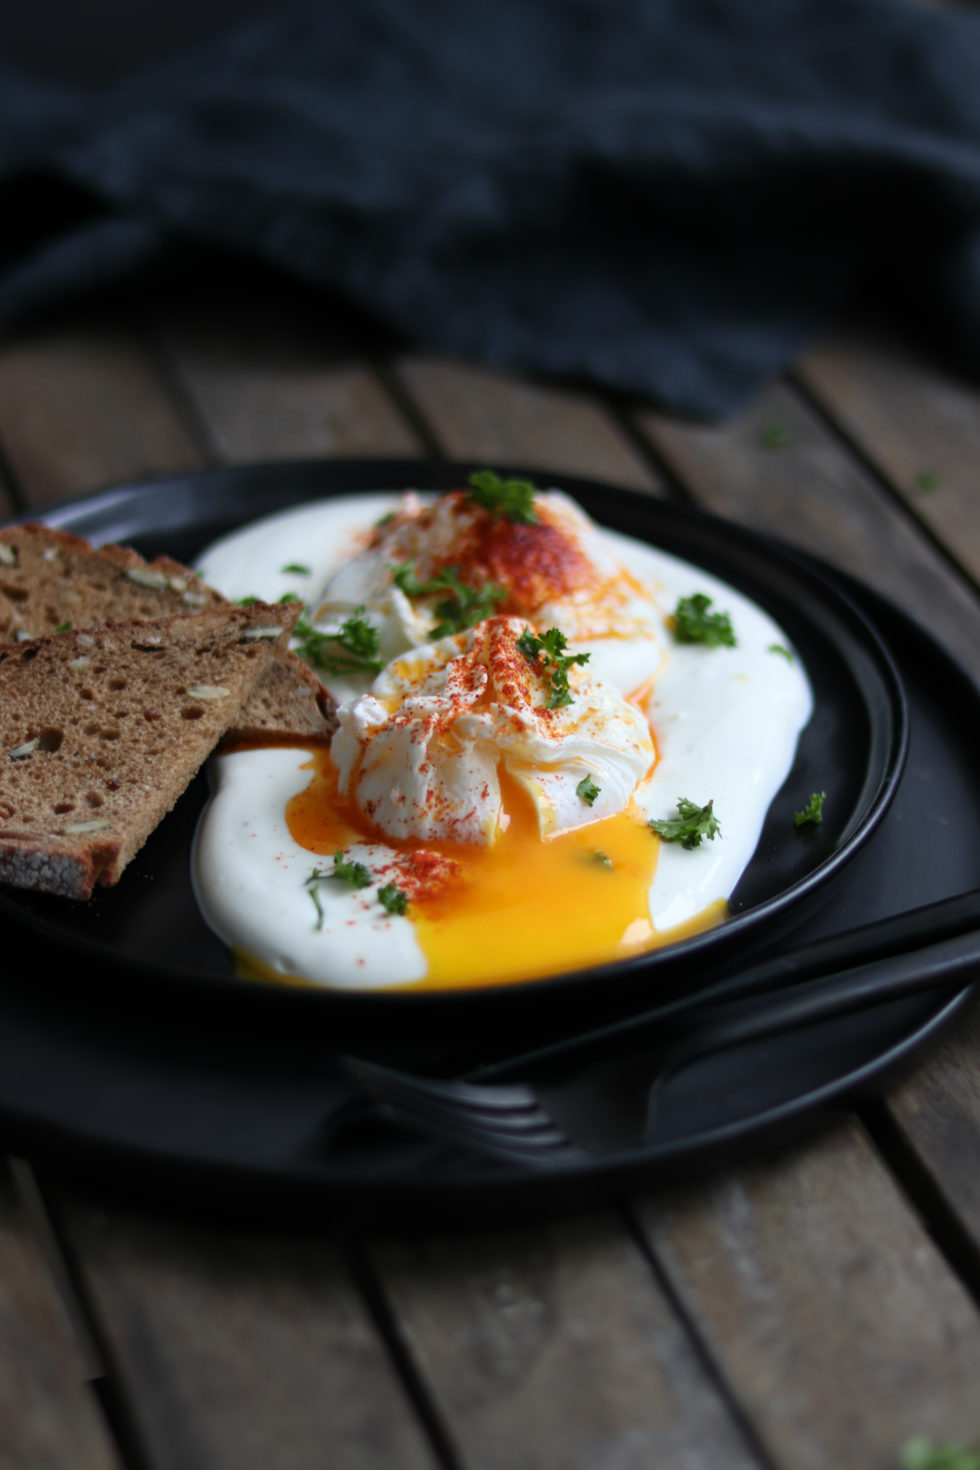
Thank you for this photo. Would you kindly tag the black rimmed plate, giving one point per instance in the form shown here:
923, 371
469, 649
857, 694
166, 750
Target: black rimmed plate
147, 940
131, 1084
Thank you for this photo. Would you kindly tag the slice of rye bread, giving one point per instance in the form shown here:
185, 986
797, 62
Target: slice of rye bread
101, 730
289, 706
51, 578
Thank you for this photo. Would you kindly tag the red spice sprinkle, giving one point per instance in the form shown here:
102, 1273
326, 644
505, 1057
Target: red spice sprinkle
534, 563
420, 874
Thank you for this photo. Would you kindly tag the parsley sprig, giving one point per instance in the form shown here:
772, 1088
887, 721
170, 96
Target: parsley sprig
393, 900
511, 498
922, 1454
356, 875
693, 623
692, 823
775, 434
812, 813
549, 649
587, 790
353, 649
344, 871
463, 608
312, 885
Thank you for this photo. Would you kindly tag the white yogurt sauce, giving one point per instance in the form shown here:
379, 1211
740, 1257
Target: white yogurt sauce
725, 720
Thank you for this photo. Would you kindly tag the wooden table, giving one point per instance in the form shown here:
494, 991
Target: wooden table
815, 1309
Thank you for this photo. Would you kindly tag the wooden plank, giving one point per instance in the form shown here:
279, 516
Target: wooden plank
81, 408
7, 505
810, 492
49, 1417
268, 385
828, 1311
488, 417
242, 1350
915, 422
556, 1346
938, 1111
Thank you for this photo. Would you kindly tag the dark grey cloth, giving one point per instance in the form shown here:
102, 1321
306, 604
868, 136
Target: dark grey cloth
667, 196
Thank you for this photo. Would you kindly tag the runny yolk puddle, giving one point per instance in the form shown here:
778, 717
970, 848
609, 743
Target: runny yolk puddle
518, 909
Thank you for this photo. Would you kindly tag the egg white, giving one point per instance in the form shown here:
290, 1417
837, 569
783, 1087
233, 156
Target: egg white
725, 720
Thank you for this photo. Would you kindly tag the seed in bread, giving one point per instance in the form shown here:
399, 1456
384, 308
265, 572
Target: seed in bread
101, 730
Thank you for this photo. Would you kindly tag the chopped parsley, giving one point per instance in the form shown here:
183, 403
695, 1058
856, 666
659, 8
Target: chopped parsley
692, 823
297, 567
587, 790
345, 871
312, 884
549, 649
463, 608
922, 1454
812, 813
774, 435
404, 578
393, 900
927, 481
601, 859
511, 498
781, 648
353, 649
693, 623
65, 627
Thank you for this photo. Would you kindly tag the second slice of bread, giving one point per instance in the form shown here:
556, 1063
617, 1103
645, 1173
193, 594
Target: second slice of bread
52, 580
102, 729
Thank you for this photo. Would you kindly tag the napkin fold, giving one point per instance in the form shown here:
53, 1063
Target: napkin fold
662, 196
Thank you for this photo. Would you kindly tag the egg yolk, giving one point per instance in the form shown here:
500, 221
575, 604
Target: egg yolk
515, 910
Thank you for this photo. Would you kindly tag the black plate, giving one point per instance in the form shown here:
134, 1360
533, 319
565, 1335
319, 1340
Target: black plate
195, 1110
147, 935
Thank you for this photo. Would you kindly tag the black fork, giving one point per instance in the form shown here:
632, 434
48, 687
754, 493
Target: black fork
512, 1120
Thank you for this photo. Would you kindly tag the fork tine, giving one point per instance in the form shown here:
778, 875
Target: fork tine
544, 1144
525, 1127
511, 1113
482, 1134
384, 1081
507, 1122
